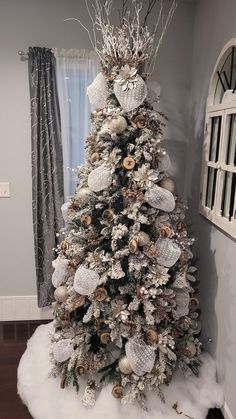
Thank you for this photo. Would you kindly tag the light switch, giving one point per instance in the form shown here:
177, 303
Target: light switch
5, 190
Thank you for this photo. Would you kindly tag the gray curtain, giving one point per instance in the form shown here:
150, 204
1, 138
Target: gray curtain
47, 166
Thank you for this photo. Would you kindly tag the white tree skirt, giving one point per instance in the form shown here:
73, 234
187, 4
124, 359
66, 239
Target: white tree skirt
46, 400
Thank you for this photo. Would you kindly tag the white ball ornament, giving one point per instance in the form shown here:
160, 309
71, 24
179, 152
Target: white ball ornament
143, 238
99, 179
63, 350
168, 184
125, 366
83, 195
61, 269
116, 125
85, 281
61, 294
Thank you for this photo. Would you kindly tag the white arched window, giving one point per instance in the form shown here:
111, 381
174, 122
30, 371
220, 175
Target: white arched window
218, 184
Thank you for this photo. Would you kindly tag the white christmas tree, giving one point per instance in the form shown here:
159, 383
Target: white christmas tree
126, 307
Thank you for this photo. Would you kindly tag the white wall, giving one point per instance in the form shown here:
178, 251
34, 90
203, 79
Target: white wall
27, 23
214, 26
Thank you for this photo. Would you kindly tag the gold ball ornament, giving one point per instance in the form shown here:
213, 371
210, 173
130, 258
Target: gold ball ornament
143, 238
100, 294
152, 337
124, 365
105, 338
86, 219
94, 157
133, 246
61, 294
118, 392
129, 163
168, 184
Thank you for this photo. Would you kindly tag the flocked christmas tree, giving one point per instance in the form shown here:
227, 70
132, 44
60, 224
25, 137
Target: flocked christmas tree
126, 308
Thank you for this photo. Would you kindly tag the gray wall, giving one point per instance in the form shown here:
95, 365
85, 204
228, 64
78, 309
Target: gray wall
27, 23
214, 26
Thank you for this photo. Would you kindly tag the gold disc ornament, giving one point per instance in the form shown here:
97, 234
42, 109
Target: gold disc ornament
64, 246
86, 219
133, 246
152, 337
100, 294
118, 392
108, 214
129, 163
105, 338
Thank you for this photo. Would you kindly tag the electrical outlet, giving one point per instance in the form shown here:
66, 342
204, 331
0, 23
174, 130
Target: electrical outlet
5, 190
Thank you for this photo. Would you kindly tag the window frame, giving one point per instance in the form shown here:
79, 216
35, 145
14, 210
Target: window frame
224, 109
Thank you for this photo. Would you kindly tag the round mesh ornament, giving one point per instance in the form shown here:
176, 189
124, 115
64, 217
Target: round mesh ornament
168, 252
160, 198
85, 281
99, 179
130, 99
141, 357
62, 350
97, 92
182, 299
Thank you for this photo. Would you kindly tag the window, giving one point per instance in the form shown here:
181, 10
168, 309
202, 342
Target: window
218, 184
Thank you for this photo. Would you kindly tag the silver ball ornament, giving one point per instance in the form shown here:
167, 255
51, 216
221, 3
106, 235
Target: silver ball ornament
168, 184
61, 294
125, 366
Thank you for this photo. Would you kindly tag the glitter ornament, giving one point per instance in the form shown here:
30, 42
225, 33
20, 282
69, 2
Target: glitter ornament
99, 179
140, 356
83, 196
63, 350
168, 184
131, 98
88, 398
85, 281
182, 300
124, 365
143, 238
160, 198
98, 92
61, 294
168, 252
116, 125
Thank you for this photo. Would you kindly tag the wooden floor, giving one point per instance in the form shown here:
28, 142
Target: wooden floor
13, 340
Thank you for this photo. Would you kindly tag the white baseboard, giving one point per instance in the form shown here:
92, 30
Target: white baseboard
22, 308
226, 412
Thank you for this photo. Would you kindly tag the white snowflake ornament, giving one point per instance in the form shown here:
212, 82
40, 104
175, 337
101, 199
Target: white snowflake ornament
85, 281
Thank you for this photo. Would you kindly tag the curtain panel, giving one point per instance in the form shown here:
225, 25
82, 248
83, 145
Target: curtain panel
47, 166
76, 69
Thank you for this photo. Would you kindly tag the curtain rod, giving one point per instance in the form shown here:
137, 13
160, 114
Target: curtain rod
23, 54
